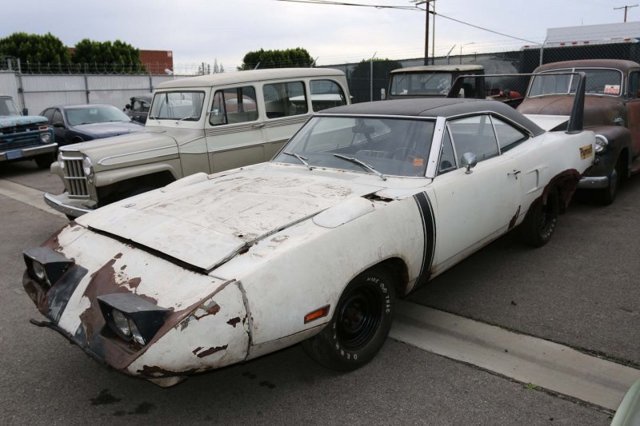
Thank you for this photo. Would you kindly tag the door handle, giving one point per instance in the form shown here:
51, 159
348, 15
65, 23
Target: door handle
514, 173
258, 126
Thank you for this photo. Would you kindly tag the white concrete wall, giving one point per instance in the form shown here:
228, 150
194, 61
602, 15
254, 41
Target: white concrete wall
42, 91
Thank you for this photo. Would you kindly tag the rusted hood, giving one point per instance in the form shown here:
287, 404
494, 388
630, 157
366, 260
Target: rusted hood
598, 110
211, 219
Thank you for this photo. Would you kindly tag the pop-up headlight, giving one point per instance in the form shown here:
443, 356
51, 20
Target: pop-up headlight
45, 265
132, 317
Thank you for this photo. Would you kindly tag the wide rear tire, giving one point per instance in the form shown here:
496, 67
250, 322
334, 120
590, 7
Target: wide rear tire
360, 323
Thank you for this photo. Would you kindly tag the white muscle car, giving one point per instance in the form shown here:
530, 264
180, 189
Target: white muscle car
364, 203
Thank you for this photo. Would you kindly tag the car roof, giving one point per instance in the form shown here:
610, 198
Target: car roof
79, 106
435, 107
249, 76
620, 64
439, 68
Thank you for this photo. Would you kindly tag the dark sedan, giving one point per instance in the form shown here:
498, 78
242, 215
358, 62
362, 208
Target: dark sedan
77, 123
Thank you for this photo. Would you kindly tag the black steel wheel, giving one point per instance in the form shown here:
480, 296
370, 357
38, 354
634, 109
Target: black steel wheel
360, 323
541, 220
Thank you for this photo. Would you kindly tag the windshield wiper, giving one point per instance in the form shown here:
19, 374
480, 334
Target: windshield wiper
300, 158
361, 164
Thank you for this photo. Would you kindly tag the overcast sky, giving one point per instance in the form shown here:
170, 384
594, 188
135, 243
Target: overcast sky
204, 30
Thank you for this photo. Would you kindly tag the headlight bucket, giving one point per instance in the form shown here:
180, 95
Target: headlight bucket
45, 265
45, 137
87, 166
601, 143
131, 317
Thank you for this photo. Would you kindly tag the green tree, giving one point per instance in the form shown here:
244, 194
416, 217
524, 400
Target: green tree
116, 57
287, 58
37, 53
360, 81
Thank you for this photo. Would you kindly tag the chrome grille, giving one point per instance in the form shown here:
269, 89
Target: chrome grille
75, 180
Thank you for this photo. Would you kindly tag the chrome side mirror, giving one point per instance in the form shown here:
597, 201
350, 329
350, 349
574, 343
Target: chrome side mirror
469, 160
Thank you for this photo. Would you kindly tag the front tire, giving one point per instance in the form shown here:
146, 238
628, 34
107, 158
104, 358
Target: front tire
607, 196
360, 323
44, 160
541, 220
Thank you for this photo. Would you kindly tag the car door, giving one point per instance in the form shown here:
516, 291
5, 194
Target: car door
477, 205
59, 127
234, 129
633, 110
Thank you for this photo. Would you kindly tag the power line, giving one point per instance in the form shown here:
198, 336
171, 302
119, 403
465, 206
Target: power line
411, 8
628, 6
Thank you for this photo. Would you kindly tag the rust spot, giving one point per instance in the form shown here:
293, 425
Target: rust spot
117, 256
134, 282
123, 267
513, 220
196, 350
212, 309
211, 350
153, 372
52, 242
233, 321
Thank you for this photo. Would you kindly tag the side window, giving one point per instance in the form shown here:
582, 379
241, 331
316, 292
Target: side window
326, 94
285, 99
474, 134
57, 117
447, 155
236, 105
508, 136
48, 113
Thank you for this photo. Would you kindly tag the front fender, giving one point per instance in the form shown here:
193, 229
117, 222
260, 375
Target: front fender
619, 141
118, 175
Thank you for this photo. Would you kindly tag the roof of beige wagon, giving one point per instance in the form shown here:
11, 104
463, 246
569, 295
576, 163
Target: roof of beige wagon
249, 76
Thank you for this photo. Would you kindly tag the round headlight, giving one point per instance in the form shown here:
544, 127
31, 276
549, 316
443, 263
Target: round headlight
39, 271
121, 323
135, 333
87, 166
601, 143
45, 137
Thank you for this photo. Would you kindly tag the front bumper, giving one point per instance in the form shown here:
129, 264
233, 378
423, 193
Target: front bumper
593, 182
69, 206
20, 153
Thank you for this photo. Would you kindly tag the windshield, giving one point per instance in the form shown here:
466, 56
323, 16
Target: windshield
95, 114
177, 106
599, 82
424, 84
8, 107
386, 146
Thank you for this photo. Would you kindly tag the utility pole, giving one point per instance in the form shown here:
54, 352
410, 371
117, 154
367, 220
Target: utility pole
629, 6
427, 3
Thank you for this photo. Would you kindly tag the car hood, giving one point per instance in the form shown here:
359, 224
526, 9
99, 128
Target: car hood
21, 120
206, 220
598, 110
124, 148
103, 130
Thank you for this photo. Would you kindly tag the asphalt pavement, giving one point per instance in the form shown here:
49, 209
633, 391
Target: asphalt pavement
580, 290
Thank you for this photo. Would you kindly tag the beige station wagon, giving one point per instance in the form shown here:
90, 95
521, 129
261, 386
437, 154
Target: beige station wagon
205, 124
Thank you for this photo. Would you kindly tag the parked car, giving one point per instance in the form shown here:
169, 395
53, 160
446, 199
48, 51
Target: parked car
366, 201
434, 80
138, 108
200, 124
78, 123
612, 110
25, 136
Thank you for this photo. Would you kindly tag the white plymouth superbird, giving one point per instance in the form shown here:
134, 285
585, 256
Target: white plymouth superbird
364, 203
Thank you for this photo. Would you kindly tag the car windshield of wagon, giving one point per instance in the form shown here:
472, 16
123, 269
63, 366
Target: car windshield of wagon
421, 84
391, 146
179, 105
598, 82
8, 107
97, 114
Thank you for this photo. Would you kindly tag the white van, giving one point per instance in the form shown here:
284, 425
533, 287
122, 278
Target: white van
206, 124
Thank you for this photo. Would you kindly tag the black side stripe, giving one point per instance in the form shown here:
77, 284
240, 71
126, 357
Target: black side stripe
429, 232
